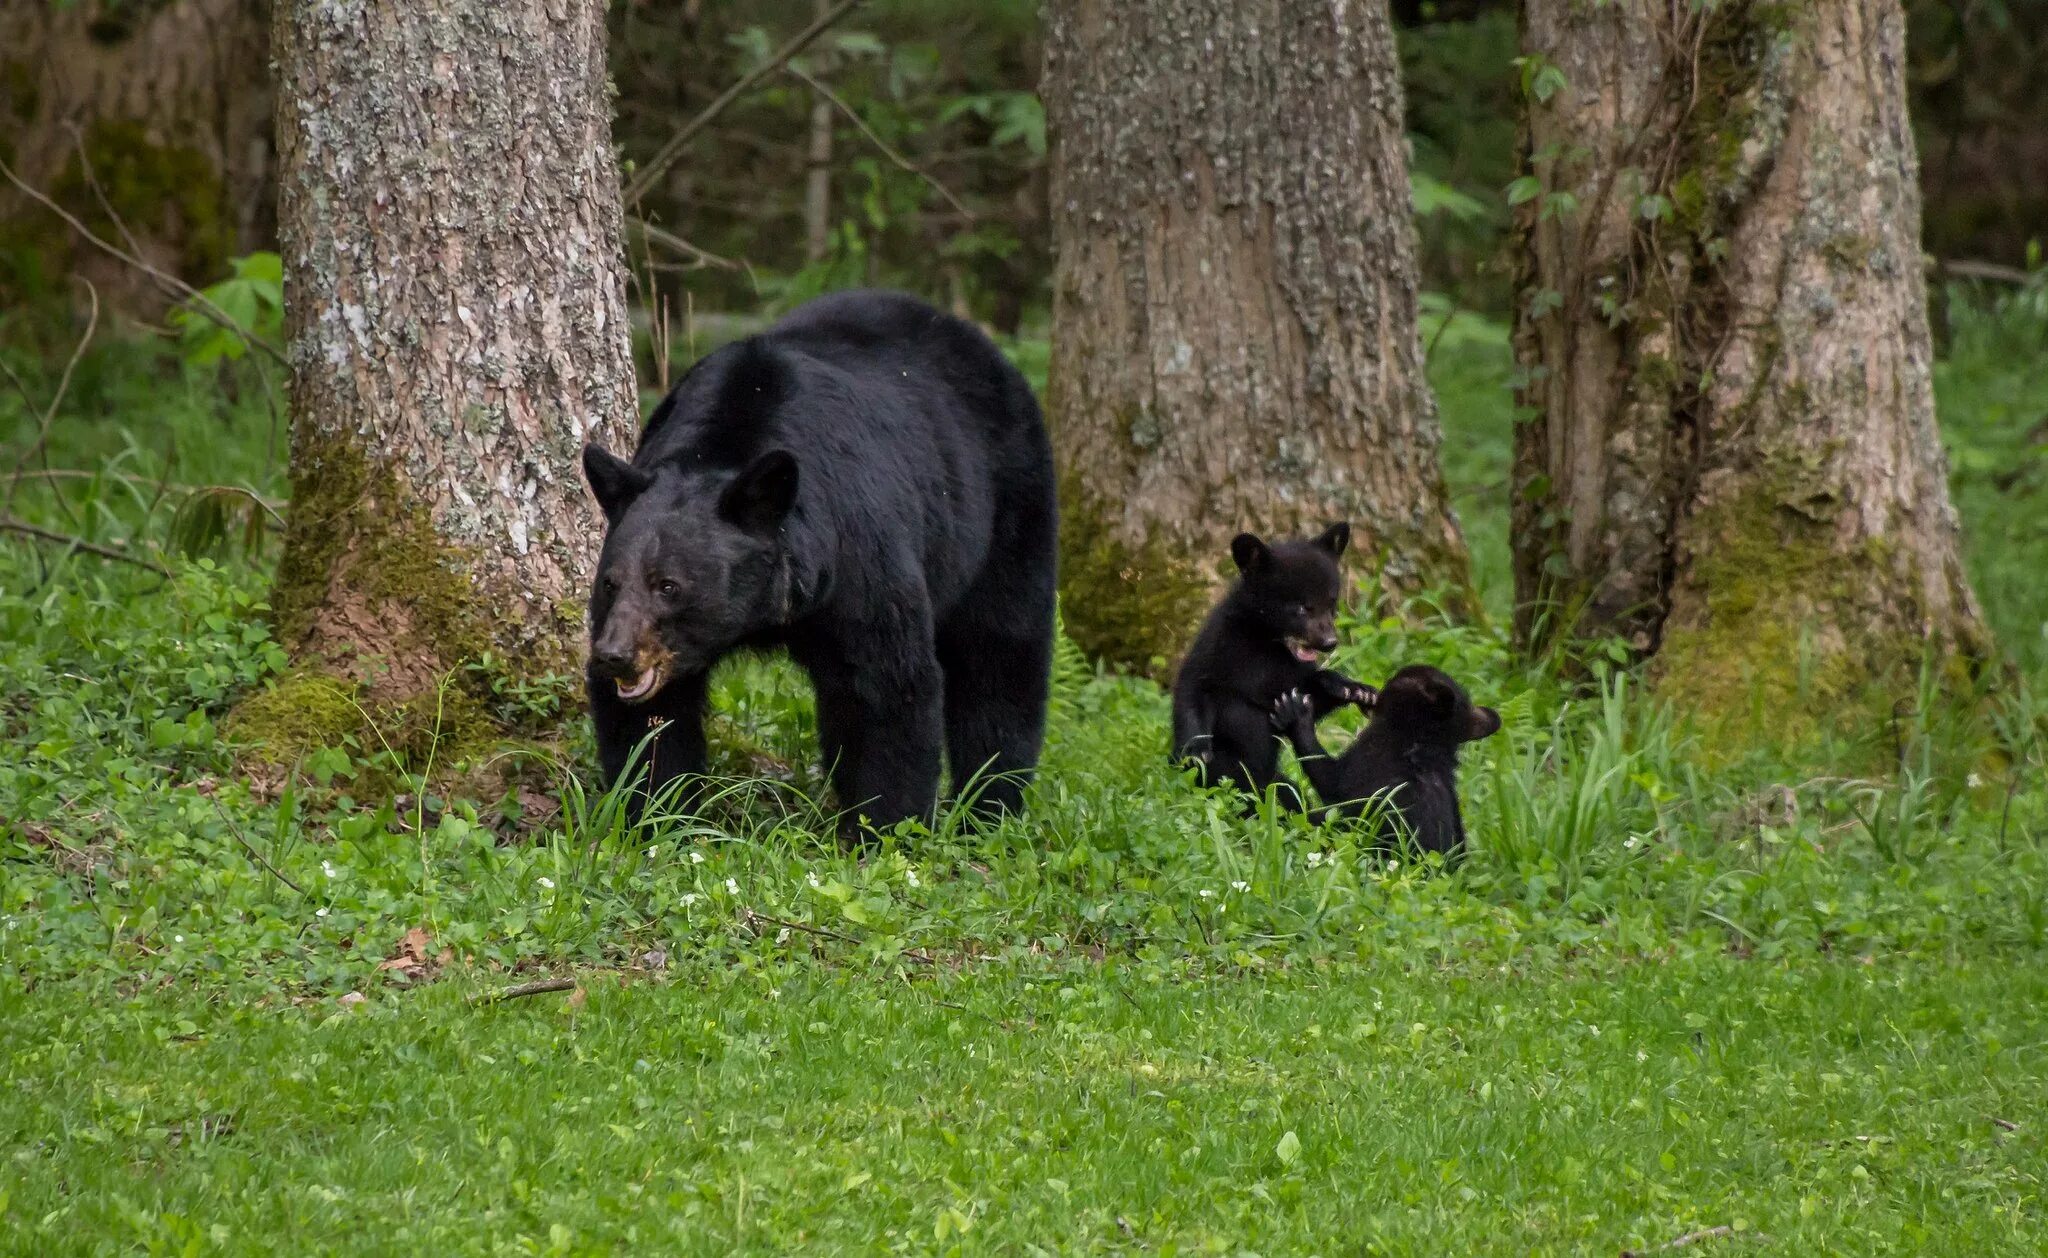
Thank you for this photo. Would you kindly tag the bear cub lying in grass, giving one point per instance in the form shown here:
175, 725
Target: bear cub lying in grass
1407, 755
1259, 643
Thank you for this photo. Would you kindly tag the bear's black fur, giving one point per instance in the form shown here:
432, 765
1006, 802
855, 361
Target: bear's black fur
1259, 643
1407, 753
867, 485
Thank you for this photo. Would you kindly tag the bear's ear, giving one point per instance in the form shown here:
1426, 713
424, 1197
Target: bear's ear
759, 497
613, 481
1249, 552
1335, 538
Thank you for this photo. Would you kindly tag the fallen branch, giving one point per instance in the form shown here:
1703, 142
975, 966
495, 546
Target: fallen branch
645, 176
2005, 1124
172, 284
902, 162
525, 989
12, 525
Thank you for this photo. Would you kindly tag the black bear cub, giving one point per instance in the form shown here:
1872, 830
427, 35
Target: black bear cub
868, 486
1262, 641
1408, 751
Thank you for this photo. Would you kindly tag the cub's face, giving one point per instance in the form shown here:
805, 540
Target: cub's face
1426, 705
692, 565
1293, 588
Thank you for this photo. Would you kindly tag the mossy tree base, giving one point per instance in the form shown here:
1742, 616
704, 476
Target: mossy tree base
1731, 458
448, 364
1234, 319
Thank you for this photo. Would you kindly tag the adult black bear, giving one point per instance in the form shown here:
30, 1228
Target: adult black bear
1259, 643
1407, 754
868, 485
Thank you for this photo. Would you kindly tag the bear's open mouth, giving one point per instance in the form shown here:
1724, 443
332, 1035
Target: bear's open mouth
1302, 650
643, 685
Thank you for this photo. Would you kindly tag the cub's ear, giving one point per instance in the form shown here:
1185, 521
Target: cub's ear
1249, 552
614, 482
1335, 538
761, 496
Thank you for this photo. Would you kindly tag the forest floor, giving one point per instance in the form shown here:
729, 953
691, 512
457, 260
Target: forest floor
1683, 990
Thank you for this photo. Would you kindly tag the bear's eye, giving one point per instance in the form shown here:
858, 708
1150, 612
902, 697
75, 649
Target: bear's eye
668, 589
611, 585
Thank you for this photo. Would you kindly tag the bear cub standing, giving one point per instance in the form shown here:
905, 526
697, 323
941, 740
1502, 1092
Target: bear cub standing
868, 486
1259, 643
1409, 751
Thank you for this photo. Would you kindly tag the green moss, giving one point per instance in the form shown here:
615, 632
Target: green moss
343, 513
1774, 637
299, 714
164, 191
1135, 606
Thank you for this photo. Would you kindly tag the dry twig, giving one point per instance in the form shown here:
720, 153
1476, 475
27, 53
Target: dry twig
525, 989
902, 162
656, 166
177, 287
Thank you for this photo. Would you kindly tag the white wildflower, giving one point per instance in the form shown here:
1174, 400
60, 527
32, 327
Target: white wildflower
319, 912
652, 849
812, 878
1240, 886
732, 886
177, 939
1392, 866
910, 876
1629, 842
1973, 781
690, 897
549, 883
1205, 893
696, 858
327, 867
1314, 859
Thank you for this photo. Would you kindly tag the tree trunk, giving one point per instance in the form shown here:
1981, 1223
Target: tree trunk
818, 166
456, 308
1234, 317
1730, 456
151, 123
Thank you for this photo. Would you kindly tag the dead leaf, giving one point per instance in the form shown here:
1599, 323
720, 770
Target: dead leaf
577, 998
350, 1000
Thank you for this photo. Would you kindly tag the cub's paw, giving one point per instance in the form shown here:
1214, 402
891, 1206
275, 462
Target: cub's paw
1292, 710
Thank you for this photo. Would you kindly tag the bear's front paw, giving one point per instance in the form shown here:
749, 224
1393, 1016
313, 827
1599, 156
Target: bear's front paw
1293, 710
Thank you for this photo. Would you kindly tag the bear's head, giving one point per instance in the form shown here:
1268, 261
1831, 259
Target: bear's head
1428, 707
694, 562
1291, 589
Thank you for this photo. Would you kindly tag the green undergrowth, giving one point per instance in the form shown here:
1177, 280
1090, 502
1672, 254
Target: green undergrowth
1675, 986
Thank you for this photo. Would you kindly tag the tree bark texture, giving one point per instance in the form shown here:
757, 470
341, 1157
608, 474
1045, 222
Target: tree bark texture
456, 308
150, 123
1729, 453
1234, 319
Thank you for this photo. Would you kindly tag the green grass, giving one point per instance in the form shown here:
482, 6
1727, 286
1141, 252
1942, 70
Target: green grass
1372, 1108
1673, 987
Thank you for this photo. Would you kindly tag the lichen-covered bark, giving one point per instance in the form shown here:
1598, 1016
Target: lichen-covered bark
1234, 324
1731, 457
449, 212
166, 108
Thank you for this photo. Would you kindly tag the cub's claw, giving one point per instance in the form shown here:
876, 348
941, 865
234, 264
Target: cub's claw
1291, 710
